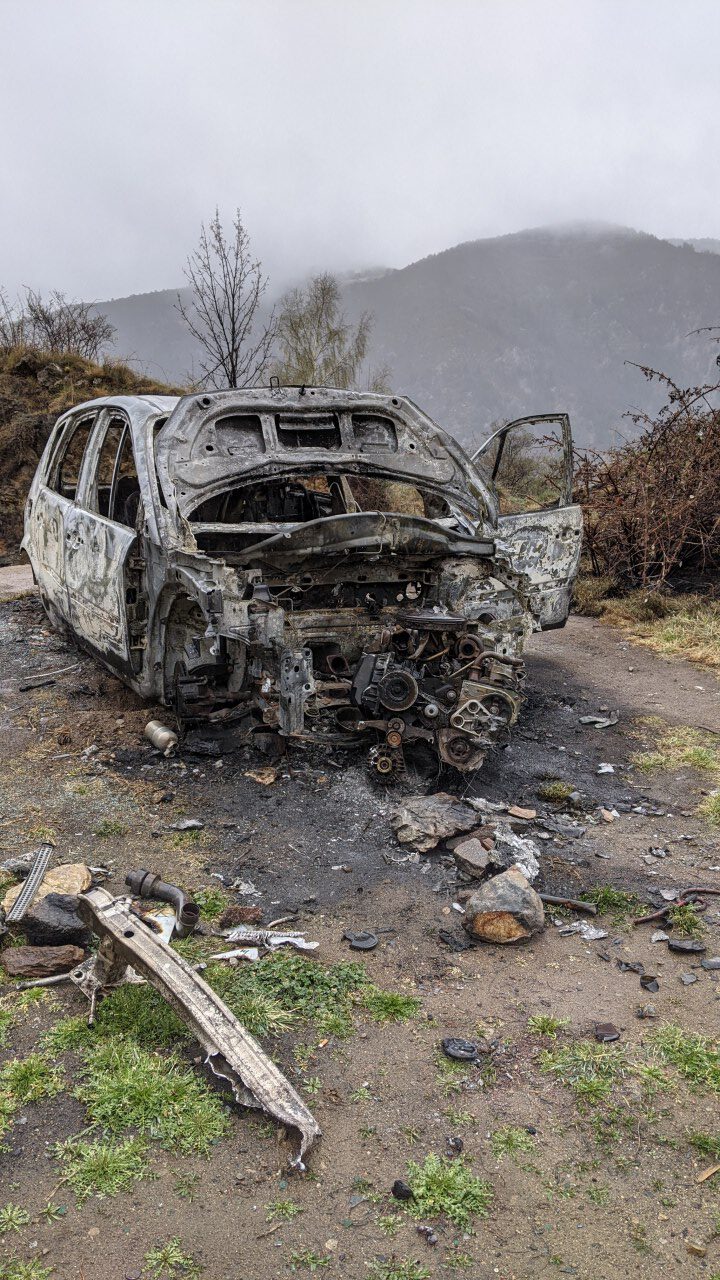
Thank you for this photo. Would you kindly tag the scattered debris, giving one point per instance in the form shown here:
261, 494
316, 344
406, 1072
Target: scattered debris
365, 940
586, 931
263, 937
506, 909
649, 982
713, 963
187, 824
605, 768
164, 739
526, 815
40, 962
686, 945
606, 1032
463, 1050
17, 901
646, 1011
69, 878
147, 884
576, 904
265, 776
401, 1191
232, 1053
601, 722
659, 936
687, 979
708, 1173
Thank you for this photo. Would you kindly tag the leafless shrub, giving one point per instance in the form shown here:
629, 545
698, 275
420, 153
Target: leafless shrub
652, 504
226, 287
53, 325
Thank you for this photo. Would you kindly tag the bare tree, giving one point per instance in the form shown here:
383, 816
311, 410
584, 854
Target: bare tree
54, 325
318, 345
227, 286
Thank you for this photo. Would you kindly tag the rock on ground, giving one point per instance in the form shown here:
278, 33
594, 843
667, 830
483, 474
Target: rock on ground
505, 909
423, 821
40, 962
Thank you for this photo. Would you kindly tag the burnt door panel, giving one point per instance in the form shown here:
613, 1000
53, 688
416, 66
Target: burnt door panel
530, 464
96, 554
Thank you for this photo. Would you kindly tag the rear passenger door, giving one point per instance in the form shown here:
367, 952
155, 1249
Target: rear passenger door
47, 508
100, 537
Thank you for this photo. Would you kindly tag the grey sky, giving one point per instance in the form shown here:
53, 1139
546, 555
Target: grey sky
350, 132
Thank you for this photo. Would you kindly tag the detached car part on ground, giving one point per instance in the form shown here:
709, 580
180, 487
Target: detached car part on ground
329, 564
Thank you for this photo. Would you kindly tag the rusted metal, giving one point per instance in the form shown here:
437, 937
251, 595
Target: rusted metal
231, 1052
251, 543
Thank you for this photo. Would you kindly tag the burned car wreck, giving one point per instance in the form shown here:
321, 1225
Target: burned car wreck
325, 563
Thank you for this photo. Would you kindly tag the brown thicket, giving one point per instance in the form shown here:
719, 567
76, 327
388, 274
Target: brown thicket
652, 504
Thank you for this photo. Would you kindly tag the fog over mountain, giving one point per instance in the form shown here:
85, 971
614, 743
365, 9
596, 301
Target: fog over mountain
540, 320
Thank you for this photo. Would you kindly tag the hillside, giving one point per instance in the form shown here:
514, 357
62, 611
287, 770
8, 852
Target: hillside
495, 328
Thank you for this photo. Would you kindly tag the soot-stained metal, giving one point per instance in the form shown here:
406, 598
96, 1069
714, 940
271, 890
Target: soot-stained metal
324, 563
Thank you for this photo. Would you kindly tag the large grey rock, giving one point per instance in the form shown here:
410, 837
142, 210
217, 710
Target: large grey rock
54, 921
423, 821
504, 909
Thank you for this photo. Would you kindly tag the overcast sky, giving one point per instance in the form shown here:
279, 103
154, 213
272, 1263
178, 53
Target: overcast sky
350, 132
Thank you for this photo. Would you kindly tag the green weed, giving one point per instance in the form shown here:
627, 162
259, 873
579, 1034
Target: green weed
6, 1021
185, 1184
124, 1086
709, 809
705, 1144
102, 1168
212, 901
27, 1079
555, 791
510, 1141
169, 1260
398, 1269
282, 1211
110, 828
695, 1056
390, 1223
442, 1186
16, 1269
686, 921
387, 1006
13, 1218
308, 1260
589, 1069
544, 1024
616, 903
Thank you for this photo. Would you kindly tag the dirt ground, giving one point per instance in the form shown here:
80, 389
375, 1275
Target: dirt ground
317, 843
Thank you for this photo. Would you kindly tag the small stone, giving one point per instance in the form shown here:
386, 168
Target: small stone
697, 1250
40, 962
646, 1011
515, 811
188, 824
472, 857
687, 979
606, 815
659, 936
686, 945
606, 1032
401, 1190
712, 963
506, 909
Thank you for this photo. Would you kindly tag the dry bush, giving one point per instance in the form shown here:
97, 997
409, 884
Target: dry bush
53, 325
652, 505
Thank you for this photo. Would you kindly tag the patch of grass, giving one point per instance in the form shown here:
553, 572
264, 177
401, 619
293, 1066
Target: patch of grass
511, 1141
13, 1217
398, 1269
133, 1012
555, 791
590, 594
615, 903
686, 921
110, 828
589, 1069
282, 1211
34, 995
185, 1184
694, 1056
102, 1168
709, 809
308, 1260
16, 1269
31, 1078
292, 988
458, 1260
212, 901
124, 1086
449, 1188
361, 1094
387, 1006
544, 1024
390, 1223
705, 1144
682, 626
52, 1212
68, 1033
169, 1260
186, 839
458, 1117
42, 835
6, 1020
676, 748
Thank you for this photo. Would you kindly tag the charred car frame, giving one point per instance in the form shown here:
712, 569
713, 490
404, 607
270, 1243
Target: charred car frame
329, 564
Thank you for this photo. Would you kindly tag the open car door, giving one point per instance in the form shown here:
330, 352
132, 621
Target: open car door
529, 463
